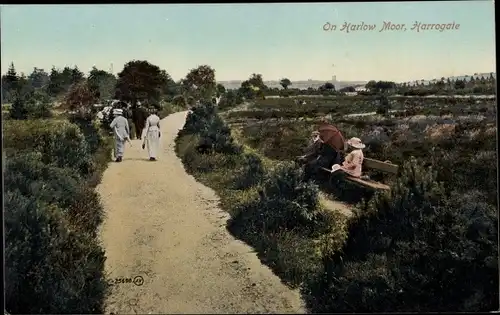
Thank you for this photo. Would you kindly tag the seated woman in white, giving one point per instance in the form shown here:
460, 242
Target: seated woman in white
354, 160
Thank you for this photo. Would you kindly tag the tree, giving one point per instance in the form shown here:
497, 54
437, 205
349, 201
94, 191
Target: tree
76, 75
371, 85
39, 104
80, 98
459, 85
55, 82
170, 89
201, 82
102, 83
328, 86
348, 89
60, 81
33, 104
140, 81
257, 81
18, 109
220, 89
285, 83
9, 84
253, 87
11, 78
39, 78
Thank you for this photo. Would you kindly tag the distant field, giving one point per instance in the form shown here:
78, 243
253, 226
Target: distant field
461, 128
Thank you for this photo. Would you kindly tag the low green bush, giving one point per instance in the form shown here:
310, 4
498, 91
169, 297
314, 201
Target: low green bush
33, 104
59, 141
286, 203
251, 173
215, 135
50, 267
229, 100
63, 187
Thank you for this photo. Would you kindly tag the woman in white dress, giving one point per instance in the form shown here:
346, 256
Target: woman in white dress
121, 131
151, 135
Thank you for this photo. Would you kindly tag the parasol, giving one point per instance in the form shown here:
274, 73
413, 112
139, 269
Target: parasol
332, 136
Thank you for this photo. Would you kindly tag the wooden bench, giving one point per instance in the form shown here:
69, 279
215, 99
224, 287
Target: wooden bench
386, 167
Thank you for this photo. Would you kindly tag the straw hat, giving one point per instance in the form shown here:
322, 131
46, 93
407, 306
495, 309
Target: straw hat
117, 111
355, 143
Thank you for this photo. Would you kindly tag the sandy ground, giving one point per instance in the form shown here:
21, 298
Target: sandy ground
165, 227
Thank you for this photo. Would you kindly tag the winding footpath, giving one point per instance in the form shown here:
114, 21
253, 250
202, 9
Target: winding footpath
165, 228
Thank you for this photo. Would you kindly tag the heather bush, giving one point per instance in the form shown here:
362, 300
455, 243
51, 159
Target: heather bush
59, 141
286, 203
90, 130
416, 248
54, 263
99, 146
215, 135
50, 267
229, 100
251, 173
62, 187
198, 118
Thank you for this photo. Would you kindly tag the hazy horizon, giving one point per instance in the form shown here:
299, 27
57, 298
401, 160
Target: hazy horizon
275, 40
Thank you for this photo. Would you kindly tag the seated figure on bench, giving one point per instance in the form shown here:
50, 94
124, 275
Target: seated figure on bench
313, 149
319, 155
353, 161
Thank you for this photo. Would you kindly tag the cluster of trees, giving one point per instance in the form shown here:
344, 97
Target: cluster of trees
469, 85
138, 82
254, 87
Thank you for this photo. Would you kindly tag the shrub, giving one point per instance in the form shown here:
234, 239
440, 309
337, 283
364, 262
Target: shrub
286, 202
50, 267
59, 141
179, 100
229, 100
34, 104
32, 178
216, 135
169, 108
90, 130
383, 106
414, 249
252, 172
99, 146
198, 118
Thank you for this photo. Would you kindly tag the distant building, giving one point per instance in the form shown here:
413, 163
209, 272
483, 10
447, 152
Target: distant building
360, 88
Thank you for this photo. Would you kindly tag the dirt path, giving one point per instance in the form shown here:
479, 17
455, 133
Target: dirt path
165, 227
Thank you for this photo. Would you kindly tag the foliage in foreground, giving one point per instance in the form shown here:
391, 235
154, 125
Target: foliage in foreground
54, 263
414, 249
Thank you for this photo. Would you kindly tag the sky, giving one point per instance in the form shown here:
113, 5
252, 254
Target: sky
276, 40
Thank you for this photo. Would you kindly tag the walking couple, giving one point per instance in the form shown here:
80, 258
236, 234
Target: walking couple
150, 134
